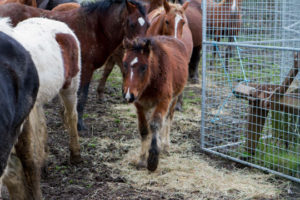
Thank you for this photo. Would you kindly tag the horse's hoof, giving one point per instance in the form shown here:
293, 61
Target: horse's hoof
194, 80
153, 159
178, 107
75, 159
141, 164
81, 127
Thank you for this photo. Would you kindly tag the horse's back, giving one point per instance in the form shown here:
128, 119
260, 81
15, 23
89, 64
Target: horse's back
176, 61
38, 36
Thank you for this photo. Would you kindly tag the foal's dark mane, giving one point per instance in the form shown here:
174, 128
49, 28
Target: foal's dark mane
104, 5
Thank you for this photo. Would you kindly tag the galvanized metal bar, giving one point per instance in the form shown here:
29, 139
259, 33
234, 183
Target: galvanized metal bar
252, 46
252, 165
202, 133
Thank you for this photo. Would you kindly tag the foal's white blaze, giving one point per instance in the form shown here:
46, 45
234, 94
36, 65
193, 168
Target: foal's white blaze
131, 75
141, 21
135, 60
177, 19
127, 97
233, 7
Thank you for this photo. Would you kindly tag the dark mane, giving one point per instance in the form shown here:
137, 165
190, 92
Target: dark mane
104, 5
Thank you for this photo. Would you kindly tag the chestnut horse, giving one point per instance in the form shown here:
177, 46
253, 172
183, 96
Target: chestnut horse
55, 51
167, 20
25, 2
19, 83
155, 73
50, 4
95, 25
66, 6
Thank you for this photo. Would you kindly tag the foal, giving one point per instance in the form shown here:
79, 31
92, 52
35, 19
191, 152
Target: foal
155, 72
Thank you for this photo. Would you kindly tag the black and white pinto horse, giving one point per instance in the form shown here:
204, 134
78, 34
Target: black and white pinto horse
19, 85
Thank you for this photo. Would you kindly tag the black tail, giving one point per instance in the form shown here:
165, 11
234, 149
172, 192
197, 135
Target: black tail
153, 155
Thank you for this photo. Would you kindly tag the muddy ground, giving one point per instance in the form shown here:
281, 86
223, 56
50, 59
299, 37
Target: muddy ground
110, 146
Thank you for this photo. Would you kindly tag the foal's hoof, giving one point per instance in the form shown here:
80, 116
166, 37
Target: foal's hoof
81, 126
75, 159
153, 160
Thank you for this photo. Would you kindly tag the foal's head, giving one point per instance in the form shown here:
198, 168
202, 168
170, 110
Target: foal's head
174, 19
136, 72
136, 23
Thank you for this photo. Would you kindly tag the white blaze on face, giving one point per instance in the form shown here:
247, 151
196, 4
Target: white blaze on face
177, 19
127, 96
131, 75
233, 7
141, 21
135, 60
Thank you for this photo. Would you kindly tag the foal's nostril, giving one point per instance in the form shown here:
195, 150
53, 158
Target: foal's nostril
131, 98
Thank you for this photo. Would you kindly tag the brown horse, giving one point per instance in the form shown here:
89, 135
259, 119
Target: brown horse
95, 25
66, 6
155, 73
25, 2
224, 19
162, 22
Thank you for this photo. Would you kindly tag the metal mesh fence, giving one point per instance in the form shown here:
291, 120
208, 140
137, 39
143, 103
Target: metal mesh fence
251, 93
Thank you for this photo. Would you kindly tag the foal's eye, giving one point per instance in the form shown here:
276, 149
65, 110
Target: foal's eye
167, 22
125, 66
143, 68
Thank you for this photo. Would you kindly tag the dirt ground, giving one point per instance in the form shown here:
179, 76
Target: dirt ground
110, 147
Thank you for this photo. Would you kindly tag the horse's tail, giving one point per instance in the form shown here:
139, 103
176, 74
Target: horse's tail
153, 155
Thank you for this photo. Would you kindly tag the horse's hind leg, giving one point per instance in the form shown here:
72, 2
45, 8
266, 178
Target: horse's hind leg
107, 70
193, 65
69, 99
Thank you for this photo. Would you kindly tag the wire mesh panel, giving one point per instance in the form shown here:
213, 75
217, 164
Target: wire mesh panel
251, 89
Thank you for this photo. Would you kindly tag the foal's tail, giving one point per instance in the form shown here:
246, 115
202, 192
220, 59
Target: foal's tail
153, 155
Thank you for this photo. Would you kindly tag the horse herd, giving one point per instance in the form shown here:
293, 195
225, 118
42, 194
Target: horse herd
45, 53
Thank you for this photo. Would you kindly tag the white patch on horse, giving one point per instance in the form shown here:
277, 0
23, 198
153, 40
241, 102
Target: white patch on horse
233, 7
141, 21
131, 75
127, 97
177, 19
135, 60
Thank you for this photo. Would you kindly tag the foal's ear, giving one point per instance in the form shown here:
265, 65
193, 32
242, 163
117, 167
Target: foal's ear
127, 44
130, 6
185, 5
166, 6
147, 45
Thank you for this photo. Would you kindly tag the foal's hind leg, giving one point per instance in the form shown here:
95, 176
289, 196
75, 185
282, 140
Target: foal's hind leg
167, 127
69, 99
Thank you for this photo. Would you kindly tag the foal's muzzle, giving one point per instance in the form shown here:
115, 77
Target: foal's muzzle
129, 97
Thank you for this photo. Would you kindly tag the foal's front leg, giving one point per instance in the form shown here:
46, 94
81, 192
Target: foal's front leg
143, 129
156, 124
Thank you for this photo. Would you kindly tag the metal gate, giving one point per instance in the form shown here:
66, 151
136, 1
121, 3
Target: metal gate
251, 89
